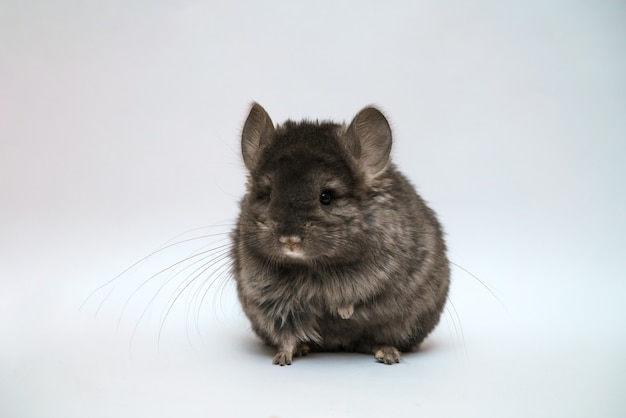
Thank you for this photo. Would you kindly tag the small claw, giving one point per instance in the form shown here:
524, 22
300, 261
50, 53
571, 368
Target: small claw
283, 358
388, 355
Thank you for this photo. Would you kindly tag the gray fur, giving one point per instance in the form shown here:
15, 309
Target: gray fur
333, 249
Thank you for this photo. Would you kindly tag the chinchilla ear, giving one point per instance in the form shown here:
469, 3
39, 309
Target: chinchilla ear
257, 132
368, 140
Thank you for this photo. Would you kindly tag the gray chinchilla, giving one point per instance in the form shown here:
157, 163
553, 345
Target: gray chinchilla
333, 249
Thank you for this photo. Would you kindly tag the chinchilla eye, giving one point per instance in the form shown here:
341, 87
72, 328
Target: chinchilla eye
264, 193
326, 197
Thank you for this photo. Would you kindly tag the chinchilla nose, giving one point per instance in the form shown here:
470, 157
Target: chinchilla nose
290, 242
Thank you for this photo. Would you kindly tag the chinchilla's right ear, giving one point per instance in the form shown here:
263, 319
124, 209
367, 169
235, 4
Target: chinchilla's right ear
257, 133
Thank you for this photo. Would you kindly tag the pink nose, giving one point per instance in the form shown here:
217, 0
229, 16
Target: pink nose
291, 243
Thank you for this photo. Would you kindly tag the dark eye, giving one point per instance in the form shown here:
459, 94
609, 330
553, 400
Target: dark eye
326, 197
264, 193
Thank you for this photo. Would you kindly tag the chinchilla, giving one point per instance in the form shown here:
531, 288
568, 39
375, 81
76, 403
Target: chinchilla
333, 249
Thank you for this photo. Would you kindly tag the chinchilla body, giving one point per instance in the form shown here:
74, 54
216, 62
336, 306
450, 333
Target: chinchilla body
333, 249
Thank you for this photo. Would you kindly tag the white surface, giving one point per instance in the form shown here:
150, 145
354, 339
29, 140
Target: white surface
119, 129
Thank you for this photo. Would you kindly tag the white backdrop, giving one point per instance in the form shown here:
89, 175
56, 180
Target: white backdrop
119, 130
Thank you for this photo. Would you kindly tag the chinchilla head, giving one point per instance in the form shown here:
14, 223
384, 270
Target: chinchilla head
309, 187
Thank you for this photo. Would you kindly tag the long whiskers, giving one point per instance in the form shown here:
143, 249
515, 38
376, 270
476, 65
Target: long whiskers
210, 260
161, 249
454, 314
456, 319
484, 285
219, 254
149, 279
223, 272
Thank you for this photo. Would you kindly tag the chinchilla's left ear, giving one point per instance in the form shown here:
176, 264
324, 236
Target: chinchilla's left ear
368, 140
